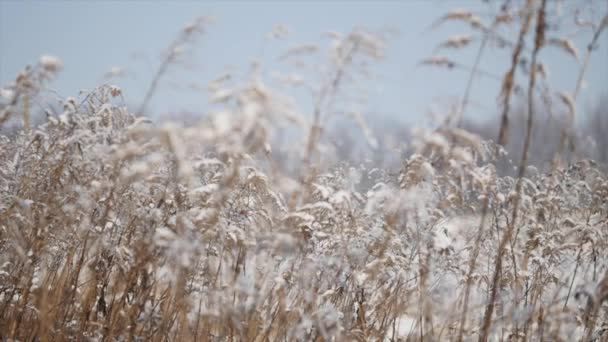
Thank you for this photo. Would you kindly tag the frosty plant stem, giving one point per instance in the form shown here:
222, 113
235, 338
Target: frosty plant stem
327, 92
174, 51
472, 266
474, 69
508, 82
571, 101
507, 235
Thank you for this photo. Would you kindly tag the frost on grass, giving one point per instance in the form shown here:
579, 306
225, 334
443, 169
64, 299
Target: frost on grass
114, 227
133, 223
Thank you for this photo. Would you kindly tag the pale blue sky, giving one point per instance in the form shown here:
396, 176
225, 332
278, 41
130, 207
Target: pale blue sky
91, 37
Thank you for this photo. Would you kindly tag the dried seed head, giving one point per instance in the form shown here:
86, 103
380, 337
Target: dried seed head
458, 14
503, 18
115, 91
569, 102
50, 64
542, 70
439, 61
566, 45
70, 104
197, 25
372, 45
476, 23
456, 42
302, 49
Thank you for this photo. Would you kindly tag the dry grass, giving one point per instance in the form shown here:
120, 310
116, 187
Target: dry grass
116, 228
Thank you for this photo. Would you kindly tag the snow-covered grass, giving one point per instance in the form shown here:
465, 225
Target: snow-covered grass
113, 227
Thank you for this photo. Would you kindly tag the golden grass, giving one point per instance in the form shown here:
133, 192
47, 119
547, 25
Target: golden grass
116, 228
